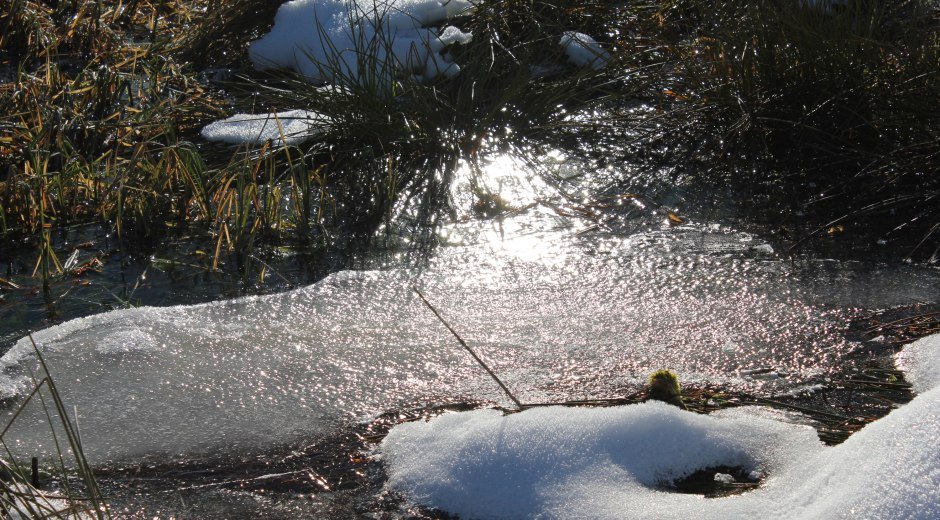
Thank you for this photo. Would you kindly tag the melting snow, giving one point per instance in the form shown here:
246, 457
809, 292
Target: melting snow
362, 41
605, 463
290, 127
583, 51
365, 42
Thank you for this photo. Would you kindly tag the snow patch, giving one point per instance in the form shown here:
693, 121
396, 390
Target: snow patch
920, 362
363, 41
584, 51
605, 463
291, 127
22, 502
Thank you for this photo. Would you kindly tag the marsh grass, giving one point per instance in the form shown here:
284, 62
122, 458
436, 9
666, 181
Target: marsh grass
76, 494
393, 140
843, 97
91, 120
102, 102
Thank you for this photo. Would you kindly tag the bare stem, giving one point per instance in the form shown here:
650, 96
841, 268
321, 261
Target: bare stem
467, 347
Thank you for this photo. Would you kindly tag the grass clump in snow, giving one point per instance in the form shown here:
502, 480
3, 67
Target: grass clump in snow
825, 111
388, 153
75, 492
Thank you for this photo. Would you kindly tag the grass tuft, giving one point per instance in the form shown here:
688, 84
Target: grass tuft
828, 113
76, 494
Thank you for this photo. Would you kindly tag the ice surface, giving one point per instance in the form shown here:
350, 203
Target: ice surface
583, 51
291, 127
555, 317
557, 312
366, 41
605, 463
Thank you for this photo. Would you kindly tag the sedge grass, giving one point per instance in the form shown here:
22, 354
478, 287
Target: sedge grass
844, 96
100, 115
19, 496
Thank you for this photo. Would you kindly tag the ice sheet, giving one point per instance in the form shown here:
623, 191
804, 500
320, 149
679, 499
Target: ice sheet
556, 318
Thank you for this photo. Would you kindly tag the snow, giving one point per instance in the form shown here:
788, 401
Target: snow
291, 127
583, 51
606, 463
22, 501
362, 42
919, 361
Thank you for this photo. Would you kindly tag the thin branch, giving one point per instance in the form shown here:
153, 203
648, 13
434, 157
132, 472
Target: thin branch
467, 347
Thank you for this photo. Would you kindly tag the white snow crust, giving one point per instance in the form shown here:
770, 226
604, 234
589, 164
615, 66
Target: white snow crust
291, 127
23, 502
583, 51
605, 463
366, 41
921, 363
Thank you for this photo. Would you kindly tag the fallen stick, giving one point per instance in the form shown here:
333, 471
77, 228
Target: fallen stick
467, 347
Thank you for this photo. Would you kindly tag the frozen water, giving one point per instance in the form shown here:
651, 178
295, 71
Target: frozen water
583, 51
291, 127
605, 463
559, 313
366, 41
555, 316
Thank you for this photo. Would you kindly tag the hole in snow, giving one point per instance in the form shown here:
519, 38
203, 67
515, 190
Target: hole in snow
716, 482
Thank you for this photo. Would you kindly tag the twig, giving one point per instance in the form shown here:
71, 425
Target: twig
902, 321
809, 411
467, 347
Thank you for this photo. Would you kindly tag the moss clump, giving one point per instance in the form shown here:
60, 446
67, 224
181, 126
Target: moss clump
663, 385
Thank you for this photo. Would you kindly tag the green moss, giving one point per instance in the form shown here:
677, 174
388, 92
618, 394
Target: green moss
664, 386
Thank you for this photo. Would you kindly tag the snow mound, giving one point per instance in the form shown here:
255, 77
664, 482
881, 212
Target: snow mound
562, 462
364, 41
921, 363
291, 127
583, 51
605, 463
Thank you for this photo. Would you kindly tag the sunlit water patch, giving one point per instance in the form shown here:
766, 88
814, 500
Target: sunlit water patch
558, 314
564, 296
